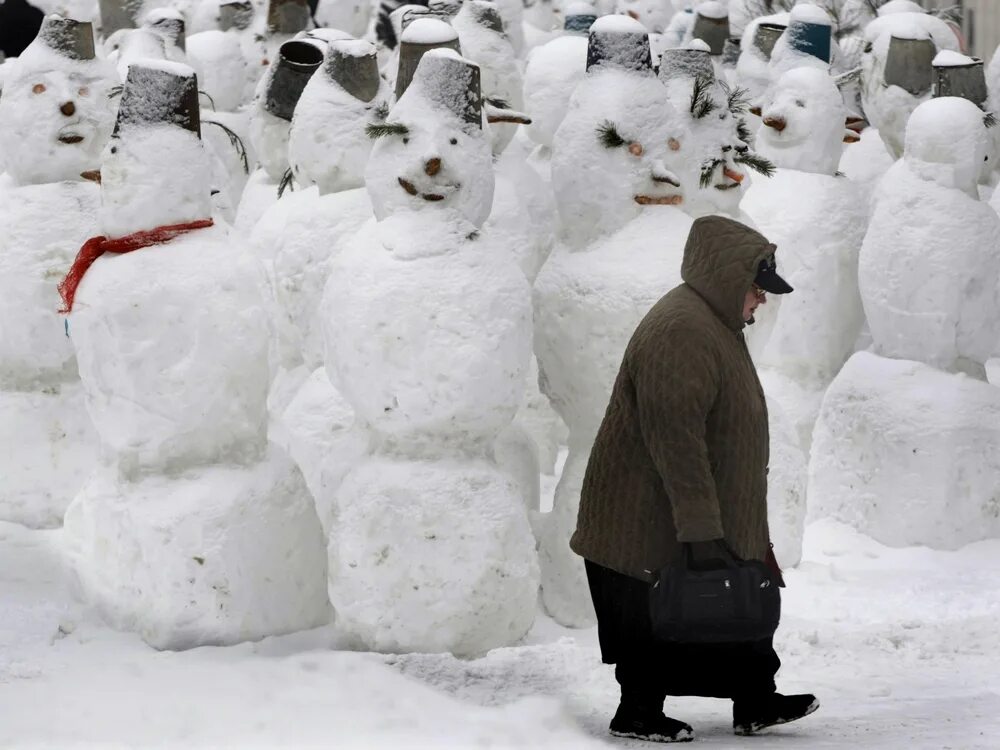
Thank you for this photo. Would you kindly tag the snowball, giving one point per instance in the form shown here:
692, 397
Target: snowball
809, 13
906, 454
210, 556
617, 25
432, 556
429, 31
712, 9
171, 343
460, 311
153, 176
698, 44
947, 58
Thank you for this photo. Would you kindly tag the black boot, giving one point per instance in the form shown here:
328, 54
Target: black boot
750, 715
640, 722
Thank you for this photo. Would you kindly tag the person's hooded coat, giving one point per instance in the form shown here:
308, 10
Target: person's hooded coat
682, 453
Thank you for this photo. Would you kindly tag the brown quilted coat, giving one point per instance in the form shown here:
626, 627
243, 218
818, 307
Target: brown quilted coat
681, 455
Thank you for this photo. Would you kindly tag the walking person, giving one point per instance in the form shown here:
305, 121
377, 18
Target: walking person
681, 459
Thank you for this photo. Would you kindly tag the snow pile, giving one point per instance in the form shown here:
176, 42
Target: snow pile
930, 264
906, 453
428, 337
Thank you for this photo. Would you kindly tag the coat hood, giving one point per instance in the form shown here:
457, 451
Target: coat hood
720, 262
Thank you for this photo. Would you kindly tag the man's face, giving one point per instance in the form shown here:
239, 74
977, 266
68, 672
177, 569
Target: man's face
754, 298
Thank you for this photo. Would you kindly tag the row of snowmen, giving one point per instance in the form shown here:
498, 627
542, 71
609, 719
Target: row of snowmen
378, 321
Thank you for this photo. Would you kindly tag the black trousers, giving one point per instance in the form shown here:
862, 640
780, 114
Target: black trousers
649, 670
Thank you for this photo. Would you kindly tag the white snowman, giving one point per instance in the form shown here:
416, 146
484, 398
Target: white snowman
930, 262
193, 529
55, 117
616, 184
270, 123
428, 338
329, 147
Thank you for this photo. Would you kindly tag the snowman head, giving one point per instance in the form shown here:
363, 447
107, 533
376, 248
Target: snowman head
616, 152
55, 113
236, 14
169, 24
718, 151
327, 144
804, 119
155, 170
277, 95
431, 153
947, 143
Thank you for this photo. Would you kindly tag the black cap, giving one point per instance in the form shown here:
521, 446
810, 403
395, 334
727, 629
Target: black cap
767, 277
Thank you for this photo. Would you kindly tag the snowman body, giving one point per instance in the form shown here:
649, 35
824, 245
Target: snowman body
428, 338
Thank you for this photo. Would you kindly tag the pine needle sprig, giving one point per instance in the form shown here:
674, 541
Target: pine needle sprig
756, 162
211, 101
990, 120
116, 91
743, 132
287, 183
608, 135
235, 141
702, 103
385, 129
708, 171
497, 102
737, 99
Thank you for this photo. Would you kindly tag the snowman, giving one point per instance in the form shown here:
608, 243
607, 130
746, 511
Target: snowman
897, 70
428, 337
169, 24
328, 149
193, 529
614, 171
681, 23
55, 117
929, 264
753, 69
904, 448
352, 16
270, 123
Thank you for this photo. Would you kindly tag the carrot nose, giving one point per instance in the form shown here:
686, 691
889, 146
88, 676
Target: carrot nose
755, 111
632, 14
432, 167
93, 175
68, 109
778, 123
732, 174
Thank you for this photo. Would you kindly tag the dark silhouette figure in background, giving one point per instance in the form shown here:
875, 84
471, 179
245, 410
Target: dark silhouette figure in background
19, 24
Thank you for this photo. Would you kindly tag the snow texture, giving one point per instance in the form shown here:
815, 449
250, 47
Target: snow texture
218, 61
906, 454
550, 77
213, 555
921, 304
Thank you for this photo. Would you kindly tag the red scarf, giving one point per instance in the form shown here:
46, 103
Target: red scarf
95, 247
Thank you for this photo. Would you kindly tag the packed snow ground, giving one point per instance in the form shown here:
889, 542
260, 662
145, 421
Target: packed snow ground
901, 645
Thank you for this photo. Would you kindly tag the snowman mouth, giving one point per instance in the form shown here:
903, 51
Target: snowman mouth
728, 186
70, 138
659, 200
410, 188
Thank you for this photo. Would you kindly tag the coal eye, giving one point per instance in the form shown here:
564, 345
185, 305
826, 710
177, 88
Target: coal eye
800, 103
38, 88
869, 47
406, 140
114, 149
454, 141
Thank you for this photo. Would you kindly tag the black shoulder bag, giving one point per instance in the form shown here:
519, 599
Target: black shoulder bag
737, 603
